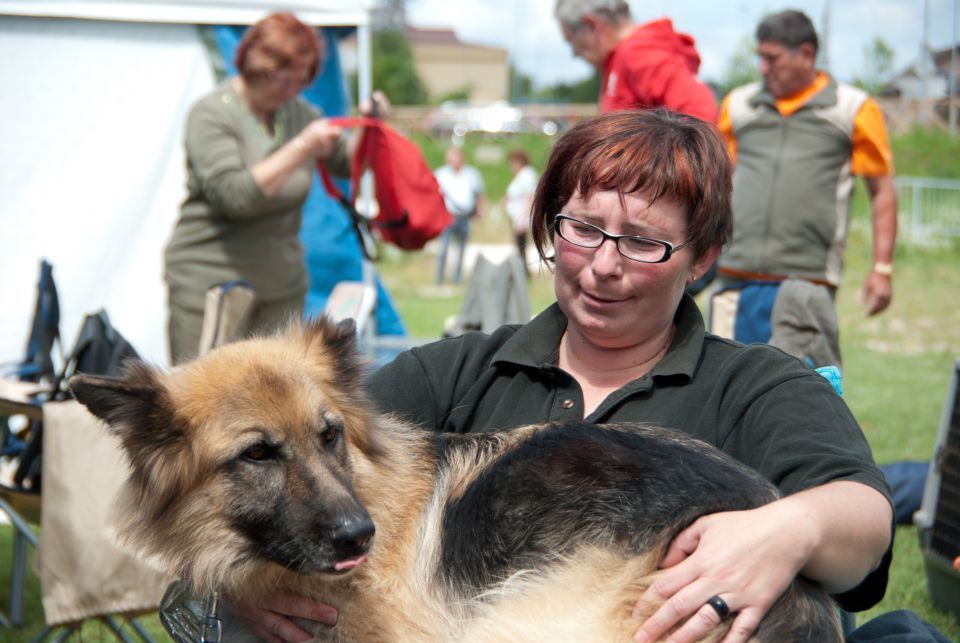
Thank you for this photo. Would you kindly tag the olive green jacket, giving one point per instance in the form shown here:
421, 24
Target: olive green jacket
228, 229
792, 182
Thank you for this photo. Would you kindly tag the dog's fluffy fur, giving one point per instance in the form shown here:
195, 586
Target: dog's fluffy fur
262, 466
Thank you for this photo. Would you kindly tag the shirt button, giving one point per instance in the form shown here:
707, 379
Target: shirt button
567, 404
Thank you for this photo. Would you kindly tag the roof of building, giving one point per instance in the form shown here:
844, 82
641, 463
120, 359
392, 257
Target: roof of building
431, 36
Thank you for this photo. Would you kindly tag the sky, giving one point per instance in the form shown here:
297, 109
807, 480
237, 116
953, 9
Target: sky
527, 29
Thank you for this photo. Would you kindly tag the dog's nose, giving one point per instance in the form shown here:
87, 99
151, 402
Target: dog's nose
353, 537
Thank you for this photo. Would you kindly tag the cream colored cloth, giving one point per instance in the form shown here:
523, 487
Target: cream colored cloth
804, 323
225, 312
82, 572
17, 391
723, 312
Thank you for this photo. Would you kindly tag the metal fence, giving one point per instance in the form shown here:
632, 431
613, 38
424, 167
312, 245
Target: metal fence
928, 208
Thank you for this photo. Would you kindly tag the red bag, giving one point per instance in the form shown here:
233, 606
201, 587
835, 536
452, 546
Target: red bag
412, 210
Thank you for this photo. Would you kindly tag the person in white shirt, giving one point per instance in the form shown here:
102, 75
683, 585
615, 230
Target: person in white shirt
518, 199
463, 191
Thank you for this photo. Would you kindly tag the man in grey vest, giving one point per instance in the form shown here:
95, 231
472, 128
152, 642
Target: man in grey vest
798, 140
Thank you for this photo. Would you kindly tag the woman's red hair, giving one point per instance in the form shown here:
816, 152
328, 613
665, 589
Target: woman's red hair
277, 42
656, 153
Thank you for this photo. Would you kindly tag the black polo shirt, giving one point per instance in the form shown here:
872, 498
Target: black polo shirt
761, 406
756, 403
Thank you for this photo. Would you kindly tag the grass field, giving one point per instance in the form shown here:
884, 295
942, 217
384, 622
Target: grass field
896, 365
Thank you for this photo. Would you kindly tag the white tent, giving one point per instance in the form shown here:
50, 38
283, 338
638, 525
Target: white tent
91, 160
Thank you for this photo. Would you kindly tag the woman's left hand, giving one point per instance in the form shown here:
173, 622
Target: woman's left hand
320, 138
377, 106
747, 558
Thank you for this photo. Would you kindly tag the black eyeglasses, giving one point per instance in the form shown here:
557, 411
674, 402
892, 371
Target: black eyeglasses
586, 235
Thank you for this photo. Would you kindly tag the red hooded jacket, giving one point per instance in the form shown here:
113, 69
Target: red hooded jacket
656, 67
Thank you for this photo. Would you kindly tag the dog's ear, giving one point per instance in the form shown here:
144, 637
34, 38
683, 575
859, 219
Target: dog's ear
138, 409
338, 340
115, 400
121, 400
135, 406
325, 329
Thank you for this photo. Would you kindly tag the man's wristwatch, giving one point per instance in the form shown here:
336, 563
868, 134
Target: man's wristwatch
883, 268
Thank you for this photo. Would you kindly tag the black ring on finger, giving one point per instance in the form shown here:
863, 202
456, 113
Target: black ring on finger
719, 606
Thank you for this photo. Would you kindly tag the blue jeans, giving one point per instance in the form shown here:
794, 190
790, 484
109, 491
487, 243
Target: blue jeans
898, 626
460, 229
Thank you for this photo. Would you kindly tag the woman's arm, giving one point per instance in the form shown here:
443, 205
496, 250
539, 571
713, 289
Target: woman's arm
853, 522
318, 140
834, 534
215, 143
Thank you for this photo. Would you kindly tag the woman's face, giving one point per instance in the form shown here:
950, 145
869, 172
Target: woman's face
615, 302
281, 86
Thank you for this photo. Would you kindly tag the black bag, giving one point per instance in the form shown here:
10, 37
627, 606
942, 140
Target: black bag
100, 349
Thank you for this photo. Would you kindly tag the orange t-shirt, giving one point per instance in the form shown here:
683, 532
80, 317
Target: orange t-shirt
871, 155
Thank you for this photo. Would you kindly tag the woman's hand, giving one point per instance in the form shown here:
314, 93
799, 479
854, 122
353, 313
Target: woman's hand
319, 138
835, 534
377, 106
271, 619
747, 558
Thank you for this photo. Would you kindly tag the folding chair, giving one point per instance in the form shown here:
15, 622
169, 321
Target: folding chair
37, 363
226, 308
97, 346
357, 300
24, 386
20, 505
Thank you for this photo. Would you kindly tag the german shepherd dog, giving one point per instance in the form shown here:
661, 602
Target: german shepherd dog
263, 466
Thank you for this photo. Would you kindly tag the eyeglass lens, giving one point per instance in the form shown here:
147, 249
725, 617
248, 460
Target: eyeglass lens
590, 236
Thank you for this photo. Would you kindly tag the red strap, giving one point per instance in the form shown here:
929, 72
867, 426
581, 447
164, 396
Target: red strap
355, 121
360, 156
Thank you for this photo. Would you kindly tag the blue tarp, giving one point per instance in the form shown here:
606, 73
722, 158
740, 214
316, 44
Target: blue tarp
332, 249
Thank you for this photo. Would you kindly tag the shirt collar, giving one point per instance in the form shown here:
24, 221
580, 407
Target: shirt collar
536, 343
822, 92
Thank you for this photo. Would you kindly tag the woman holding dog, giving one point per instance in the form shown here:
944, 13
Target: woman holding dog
251, 146
636, 207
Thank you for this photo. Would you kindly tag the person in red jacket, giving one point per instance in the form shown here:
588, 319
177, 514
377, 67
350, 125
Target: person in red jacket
642, 66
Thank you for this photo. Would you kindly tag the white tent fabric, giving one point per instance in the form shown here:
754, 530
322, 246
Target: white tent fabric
321, 13
92, 170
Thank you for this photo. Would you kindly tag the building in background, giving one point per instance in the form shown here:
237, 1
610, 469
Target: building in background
449, 67
920, 93
928, 78
452, 68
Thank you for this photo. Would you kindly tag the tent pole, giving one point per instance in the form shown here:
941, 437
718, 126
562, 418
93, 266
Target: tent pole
364, 90
364, 73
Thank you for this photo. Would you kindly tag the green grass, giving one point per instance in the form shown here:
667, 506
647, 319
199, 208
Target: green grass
92, 631
927, 152
897, 368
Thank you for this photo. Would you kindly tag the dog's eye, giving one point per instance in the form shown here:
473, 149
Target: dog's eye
332, 432
259, 452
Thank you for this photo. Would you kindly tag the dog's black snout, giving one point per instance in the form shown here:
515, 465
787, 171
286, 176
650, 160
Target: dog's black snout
353, 537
